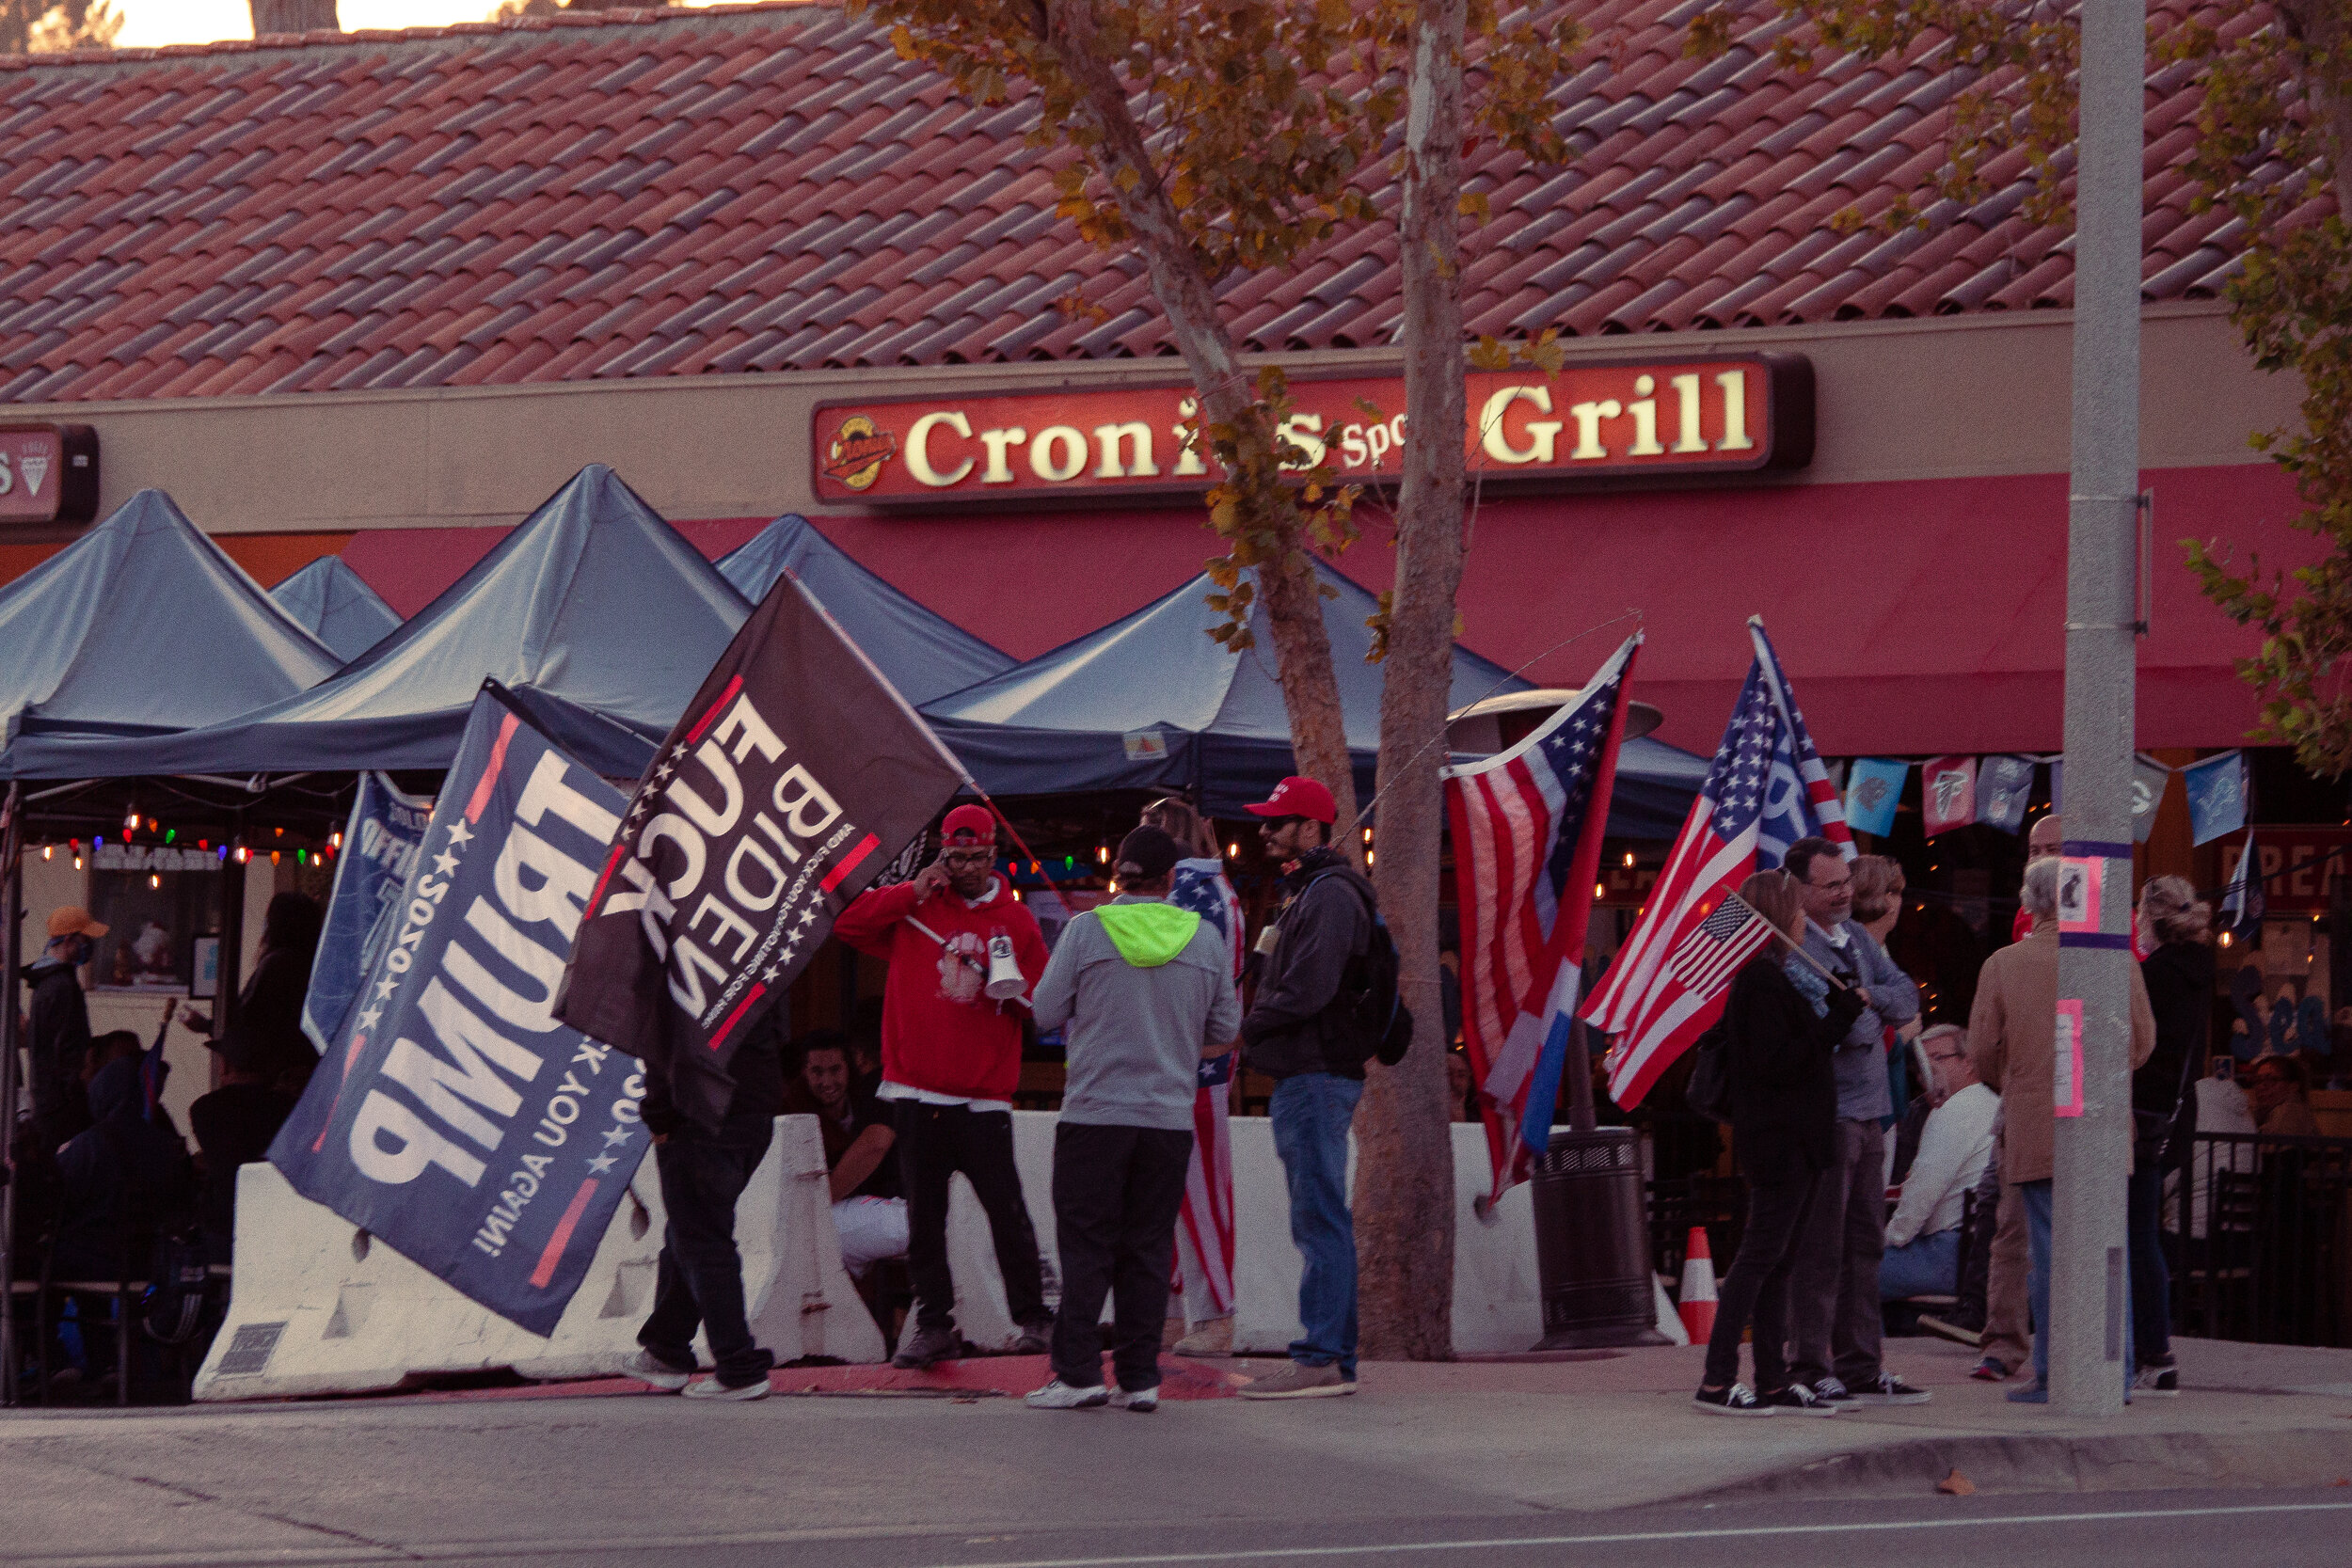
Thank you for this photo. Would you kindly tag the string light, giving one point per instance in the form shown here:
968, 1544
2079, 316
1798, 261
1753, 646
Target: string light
47, 850
1629, 860
1102, 854
273, 857
130, 823
154, 881
1232, 851
1599, 892
335, 840
243, 854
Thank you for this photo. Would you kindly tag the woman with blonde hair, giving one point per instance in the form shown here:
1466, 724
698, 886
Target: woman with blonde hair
1202, 1290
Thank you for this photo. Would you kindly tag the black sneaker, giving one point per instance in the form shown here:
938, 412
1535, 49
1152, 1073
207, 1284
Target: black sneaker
2157, 1380
1831, 1391
1795, 1399
927, 1346
1888, 1389
1033, 1340
1731, 1399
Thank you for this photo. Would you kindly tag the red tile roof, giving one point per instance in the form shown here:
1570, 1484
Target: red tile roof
768, 188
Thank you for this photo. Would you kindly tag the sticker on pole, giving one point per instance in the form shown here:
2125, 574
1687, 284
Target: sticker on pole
2078, 893
2066, 1076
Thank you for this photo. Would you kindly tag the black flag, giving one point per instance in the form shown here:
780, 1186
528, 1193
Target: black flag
796, 776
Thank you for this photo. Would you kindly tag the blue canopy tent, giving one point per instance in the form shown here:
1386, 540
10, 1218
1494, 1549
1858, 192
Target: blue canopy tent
334, 604
599, 617
923, 654
141, 627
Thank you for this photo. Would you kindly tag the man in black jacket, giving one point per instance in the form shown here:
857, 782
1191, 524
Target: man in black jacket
1295, 1035
699, 1281
60, 1025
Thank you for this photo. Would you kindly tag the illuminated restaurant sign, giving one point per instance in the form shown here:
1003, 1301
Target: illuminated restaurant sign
1653, 420
48, 473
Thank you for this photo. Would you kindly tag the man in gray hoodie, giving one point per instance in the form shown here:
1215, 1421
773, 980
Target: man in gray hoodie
1146, 991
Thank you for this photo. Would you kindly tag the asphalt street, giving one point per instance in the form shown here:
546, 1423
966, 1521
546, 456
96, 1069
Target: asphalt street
848, 1482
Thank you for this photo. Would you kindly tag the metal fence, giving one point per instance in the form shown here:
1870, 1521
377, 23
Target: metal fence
2258, 1234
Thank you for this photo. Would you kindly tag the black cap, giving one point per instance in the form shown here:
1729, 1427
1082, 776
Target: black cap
1147, 854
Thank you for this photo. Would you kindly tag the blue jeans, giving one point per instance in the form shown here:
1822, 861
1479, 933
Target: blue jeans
1311, 1113
2038, 1205
2151, 1282
1923, 1266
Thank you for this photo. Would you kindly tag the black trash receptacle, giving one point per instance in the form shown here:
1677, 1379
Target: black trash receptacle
1592, 1242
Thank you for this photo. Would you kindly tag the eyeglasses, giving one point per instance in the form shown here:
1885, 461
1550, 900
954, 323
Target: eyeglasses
968, 860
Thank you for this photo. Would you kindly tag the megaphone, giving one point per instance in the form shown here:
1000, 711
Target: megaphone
1004, 981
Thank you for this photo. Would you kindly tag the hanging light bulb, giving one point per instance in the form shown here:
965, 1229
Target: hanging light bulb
130, 823
1233, 850
154, 881
335, 840
1629, 860
1599, 892
150, 824
1102, 854
47, 850
243, 854
77, 862
273, 857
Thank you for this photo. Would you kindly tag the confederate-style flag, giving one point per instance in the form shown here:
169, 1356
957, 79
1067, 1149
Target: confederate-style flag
797, 774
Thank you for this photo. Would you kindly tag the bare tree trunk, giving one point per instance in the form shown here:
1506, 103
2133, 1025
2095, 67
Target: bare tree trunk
1403, 1198
1311, 690
294, 16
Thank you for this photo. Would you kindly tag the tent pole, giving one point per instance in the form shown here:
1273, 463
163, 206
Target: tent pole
12, 914
232, 871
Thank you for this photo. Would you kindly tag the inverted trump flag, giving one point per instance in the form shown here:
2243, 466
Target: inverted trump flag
453, 1117
795, 777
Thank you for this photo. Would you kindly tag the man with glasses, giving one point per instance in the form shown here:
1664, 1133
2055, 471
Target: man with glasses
1923, 1237
1835, 1325
951, 1060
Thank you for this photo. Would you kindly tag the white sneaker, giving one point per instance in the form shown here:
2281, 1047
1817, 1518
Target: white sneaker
1142, 1402
712, 1388
1058, 1395
645, 1368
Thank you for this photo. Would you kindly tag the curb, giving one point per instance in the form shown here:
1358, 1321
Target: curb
2316, 1456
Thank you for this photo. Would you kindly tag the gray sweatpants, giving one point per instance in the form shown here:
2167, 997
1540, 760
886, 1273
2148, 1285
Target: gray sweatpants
1834, 1296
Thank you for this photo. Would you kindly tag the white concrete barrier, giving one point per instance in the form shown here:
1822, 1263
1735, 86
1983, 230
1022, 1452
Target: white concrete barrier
318, 1305
1497, 1308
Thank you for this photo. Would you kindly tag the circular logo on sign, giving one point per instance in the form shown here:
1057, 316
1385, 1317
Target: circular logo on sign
858, 452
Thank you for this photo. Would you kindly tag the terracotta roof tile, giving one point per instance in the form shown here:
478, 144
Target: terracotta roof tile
769, 187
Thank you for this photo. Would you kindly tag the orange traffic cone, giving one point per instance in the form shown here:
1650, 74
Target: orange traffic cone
1698, 1288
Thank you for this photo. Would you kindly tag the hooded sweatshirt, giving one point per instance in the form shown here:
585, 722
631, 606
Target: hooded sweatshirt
124, 1172
942, 1038
1143, 986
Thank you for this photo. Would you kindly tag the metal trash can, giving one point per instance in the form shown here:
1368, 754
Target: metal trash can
1592, 1242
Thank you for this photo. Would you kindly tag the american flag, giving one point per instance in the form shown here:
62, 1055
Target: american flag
1767, 789
1527, 828
1710, 956
1203, 1275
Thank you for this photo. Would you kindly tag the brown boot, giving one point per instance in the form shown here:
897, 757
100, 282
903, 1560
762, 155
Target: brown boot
1214, 1336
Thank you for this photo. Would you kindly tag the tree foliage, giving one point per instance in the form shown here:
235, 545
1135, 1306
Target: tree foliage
2274, 150
40, 26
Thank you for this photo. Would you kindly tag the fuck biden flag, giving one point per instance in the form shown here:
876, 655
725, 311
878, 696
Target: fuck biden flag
454, 1116
797, 775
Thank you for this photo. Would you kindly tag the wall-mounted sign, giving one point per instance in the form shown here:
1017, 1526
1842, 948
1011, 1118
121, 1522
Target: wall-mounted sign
2299, 865
48, 473
1657, 419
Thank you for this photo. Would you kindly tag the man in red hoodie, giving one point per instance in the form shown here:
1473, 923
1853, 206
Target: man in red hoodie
951, 1059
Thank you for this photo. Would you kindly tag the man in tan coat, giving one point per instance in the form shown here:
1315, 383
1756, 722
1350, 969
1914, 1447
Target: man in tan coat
2011, 1040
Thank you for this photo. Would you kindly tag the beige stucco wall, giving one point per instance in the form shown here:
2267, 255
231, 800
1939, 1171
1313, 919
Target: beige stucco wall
1949, 397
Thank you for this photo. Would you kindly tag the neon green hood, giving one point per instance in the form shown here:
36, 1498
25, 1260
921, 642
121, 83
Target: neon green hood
1147, 935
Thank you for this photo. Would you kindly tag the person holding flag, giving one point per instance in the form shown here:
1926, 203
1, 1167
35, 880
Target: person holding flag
1782, 1027
951, 1060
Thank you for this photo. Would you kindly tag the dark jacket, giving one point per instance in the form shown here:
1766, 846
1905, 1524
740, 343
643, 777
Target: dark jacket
758, 1100
1783, 1073
270, 1007
60, 1044
2180, 978
234, 1126
1327, 923
118, 1180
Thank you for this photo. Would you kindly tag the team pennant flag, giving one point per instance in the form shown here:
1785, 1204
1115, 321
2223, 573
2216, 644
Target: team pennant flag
797, 774
2004, 787
1873, 789
1947, 794
2217, 796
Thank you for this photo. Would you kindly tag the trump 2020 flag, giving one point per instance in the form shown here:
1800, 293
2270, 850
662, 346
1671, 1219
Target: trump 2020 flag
379, 848
1947, 794
1765, 790
796, 775
1527, 829
1874, 787
454, 1116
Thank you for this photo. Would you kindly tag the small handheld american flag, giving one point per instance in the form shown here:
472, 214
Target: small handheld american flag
1712, 954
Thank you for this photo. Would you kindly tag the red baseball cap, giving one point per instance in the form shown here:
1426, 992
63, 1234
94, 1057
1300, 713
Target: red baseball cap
1299, 797
968, 826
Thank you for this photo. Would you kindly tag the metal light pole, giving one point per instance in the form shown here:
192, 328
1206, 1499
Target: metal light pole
2090, 1284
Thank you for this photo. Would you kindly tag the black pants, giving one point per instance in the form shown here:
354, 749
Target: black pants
700, 1281
1116, 1194
1758, 1287
934, 1143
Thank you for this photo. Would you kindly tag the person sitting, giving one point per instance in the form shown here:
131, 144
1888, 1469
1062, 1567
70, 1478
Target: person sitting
1923, 1239
233, 1127
2278, 1091
868, 1213
119, 1179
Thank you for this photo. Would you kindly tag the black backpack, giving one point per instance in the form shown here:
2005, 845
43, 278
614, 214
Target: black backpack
1371, 1018
1709, 1092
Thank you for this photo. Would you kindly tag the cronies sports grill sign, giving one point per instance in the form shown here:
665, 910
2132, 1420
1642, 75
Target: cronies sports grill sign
1652, 419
